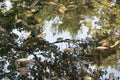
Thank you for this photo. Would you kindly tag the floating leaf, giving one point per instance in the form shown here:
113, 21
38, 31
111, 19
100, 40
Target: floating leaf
62, 8
111, 75
68, 50
28, 13
60, 22
116, 43
41, 35
101, 48
33, 10
104, 42
22, 60
51, 3
81, 21
1, 29
79, 49
33, 4
88, 78
30, 62
19, 20
23, 70
84, 62
72, 6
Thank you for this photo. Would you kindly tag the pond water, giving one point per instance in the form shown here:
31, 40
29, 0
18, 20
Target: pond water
81, 35
52, 36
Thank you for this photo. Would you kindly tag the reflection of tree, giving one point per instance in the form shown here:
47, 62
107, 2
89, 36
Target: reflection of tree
27, 15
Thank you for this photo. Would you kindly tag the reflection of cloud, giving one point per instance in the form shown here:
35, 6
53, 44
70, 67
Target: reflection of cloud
110, 70
6, 67
66, 35
8, 4
21, 35
82, 34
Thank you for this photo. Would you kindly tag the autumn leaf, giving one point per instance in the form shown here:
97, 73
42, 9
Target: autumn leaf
62, 8
1, 28
116, 43
84, 62
111, 75
88, 78
41, 35
81, 21
28, 14
51, 3
79, 48
33, 4
33, 10
30, 62
23, 70
22, 60
104, 42
68, 50
101, 48
18, 20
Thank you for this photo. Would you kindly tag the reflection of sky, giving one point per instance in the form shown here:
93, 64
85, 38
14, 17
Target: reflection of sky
8, 4
66, 35
80, 35
51, 38
49, 33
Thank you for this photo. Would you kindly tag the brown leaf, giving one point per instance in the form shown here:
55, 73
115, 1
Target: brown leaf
111, 75
23, 70
114, 45
28, 13
1, 28
104, 42
34, 3
19, 20
22, 60
88, 78
51, 3
102, 48
30, 62
68, 50
84, 62
33, 10
79, 49
41, 35
62, 8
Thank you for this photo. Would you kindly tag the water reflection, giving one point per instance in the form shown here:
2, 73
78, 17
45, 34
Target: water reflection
72, 59
64, 45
